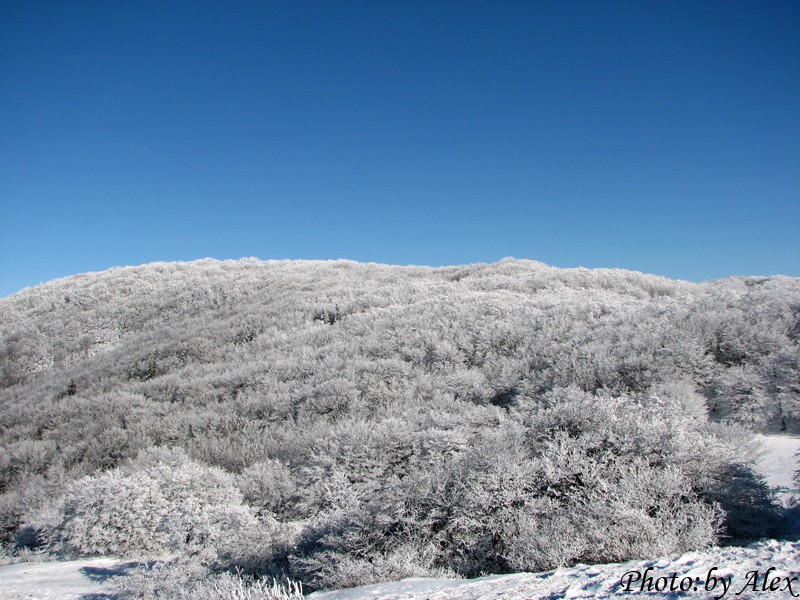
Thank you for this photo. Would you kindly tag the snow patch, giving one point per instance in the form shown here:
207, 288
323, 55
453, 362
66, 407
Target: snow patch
718, 573
63, 580
780, 462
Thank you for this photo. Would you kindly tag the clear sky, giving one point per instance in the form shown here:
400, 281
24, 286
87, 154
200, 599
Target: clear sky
650, 135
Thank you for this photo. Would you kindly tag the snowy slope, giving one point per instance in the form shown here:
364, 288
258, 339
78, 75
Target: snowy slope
719, 573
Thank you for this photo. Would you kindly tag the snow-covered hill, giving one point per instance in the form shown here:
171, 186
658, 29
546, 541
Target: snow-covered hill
344, 424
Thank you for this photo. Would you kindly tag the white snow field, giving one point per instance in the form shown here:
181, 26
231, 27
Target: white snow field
768, 569
58, 580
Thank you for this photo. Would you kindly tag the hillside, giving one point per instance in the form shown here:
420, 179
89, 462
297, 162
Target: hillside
348, 423
513, 327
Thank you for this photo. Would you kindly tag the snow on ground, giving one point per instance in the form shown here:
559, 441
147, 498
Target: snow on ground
63, 580
780, 462
720, 573
716, 574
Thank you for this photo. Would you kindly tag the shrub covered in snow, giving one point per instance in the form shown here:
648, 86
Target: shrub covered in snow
578, 479
150, 507
186, 579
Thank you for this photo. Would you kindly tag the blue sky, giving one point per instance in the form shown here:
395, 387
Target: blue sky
657, 136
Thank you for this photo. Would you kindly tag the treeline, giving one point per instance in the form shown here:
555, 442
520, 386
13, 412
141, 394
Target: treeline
374, 422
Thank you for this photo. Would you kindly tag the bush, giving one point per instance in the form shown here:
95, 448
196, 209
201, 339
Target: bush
187, 579
16, 506
267, 486
146, 510
367, 545
583, 480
